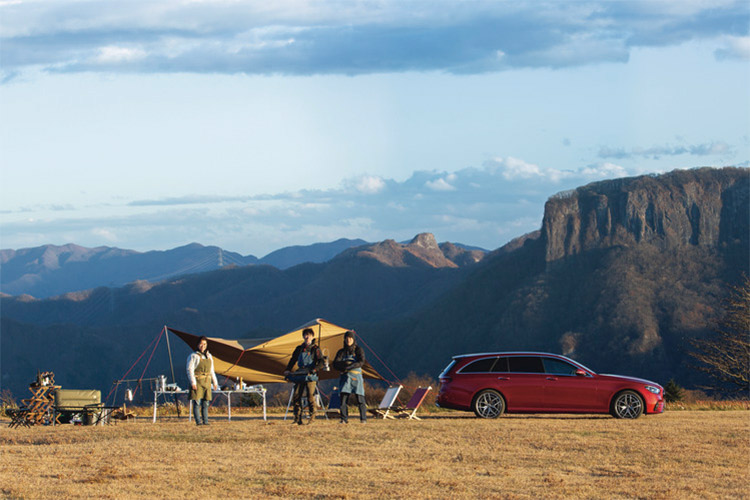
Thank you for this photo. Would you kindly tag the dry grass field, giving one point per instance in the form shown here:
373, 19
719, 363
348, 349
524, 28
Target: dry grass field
680, 454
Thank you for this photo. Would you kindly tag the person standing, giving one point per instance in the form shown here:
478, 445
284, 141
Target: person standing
308, 358
349, 361
200, 371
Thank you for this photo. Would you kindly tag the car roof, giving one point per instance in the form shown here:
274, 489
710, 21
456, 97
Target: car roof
514, 353
522, 353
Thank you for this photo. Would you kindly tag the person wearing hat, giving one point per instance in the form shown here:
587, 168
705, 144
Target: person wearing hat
349, 361
200, 372
308, 358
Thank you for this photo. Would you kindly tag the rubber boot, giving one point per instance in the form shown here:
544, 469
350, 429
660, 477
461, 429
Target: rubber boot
362, 411
312, 415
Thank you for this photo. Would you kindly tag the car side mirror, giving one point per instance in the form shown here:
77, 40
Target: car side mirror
580, 373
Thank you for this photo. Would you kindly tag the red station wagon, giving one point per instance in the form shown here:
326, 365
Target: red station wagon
491, 384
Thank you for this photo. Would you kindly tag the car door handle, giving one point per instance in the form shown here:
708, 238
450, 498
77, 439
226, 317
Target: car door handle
503, 378
551, 378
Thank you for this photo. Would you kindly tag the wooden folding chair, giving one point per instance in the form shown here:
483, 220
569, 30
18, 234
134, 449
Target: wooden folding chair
18, 417
386, 404
410, 410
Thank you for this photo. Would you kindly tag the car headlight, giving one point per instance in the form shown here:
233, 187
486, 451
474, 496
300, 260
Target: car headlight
653, 388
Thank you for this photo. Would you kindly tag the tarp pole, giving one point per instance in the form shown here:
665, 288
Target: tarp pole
169, 350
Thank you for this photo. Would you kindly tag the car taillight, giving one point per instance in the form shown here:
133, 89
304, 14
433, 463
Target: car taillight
444, 381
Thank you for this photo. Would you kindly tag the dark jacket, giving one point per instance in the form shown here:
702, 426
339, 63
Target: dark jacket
344, 366
314, 350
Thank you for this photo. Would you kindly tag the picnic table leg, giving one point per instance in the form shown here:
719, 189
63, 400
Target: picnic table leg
229, 406
155, 396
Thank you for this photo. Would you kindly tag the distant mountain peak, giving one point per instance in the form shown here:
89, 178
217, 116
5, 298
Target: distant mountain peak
422, 251
424, 240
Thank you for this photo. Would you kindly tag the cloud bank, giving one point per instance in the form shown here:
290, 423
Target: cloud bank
298, 37
483, 206
718, 148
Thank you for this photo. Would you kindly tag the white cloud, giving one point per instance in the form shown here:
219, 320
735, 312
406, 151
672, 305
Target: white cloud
734, 47
513, 168
369, 184
104, 234
114, 54
604, 170
441, 184
657, 151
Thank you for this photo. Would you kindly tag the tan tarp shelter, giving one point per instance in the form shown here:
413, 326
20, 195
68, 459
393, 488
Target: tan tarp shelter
265, 362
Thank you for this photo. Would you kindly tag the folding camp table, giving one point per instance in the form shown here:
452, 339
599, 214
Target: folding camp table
253, 389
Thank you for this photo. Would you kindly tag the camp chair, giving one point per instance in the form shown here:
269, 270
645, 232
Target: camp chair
386, 404
410, 410
334, 404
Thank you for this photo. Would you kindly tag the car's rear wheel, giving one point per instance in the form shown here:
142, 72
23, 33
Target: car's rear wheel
627, 404
488, 404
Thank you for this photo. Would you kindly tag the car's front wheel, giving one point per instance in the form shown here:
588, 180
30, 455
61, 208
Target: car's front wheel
488, 404
627, 404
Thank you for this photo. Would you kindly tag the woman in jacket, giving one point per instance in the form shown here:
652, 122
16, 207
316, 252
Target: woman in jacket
200, 372
349, 361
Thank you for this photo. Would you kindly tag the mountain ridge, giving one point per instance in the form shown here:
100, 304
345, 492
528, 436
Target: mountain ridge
422, 250
52, 270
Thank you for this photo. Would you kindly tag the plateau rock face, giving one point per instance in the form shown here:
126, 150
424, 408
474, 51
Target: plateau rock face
702, 207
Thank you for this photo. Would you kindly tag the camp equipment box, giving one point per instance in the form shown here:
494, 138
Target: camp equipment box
84, 403
75, 398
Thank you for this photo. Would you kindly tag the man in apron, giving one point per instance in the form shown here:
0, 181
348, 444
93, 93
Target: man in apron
200, 372
349, 361
308, 357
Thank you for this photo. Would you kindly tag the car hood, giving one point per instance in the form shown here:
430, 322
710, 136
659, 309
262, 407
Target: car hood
628, 379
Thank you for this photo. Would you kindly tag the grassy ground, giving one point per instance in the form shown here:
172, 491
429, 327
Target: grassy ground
680, 454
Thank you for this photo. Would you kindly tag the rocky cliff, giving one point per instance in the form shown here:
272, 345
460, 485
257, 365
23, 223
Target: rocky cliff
422, 251
701, 207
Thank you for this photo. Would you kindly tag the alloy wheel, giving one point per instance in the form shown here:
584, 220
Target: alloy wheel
489, 404
628, 405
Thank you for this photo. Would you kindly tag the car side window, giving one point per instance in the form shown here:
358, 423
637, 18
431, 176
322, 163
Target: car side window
525, 364
558, 367
479, 366
501, 366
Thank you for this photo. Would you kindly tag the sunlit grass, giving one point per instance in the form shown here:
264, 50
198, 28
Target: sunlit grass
709, 405
683, 454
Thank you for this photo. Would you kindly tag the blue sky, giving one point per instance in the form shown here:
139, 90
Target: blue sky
258, 125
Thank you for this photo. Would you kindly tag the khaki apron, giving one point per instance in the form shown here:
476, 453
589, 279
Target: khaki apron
202, 381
